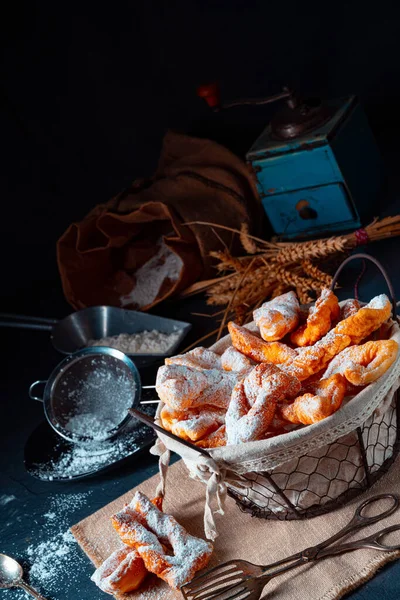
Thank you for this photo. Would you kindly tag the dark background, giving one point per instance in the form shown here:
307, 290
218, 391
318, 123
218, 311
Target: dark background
86, 96
87, 93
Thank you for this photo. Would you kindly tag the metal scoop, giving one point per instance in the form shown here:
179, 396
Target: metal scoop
88, 395
11, 574
96, 322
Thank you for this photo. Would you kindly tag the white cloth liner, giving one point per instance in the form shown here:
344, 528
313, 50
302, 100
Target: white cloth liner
229, 464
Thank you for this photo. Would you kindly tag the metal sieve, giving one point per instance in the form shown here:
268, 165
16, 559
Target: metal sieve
88, 395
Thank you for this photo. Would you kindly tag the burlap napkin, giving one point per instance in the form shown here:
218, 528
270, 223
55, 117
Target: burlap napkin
257, 540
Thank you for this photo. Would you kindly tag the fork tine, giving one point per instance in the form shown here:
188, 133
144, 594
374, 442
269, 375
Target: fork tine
197, 580
216, 583
195, 589
236, 592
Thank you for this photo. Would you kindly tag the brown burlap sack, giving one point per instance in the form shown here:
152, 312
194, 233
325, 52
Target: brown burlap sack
196, 180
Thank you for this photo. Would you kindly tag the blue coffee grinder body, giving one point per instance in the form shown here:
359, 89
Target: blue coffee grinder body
317, 167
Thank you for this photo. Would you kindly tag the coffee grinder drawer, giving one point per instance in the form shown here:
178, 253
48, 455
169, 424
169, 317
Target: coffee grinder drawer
317, 209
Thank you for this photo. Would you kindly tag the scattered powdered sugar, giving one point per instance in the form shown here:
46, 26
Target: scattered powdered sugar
165, 264
50, 557
144, 342
81, 459
4, 499
90, 425
53, 563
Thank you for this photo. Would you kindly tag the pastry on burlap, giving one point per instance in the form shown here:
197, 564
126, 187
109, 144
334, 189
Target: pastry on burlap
240, 466
135, 250
257, 540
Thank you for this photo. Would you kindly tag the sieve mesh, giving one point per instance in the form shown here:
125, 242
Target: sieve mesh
91, 395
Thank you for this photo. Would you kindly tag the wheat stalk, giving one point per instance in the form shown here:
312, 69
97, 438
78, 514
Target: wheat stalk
247, 241
273, 268
295, 253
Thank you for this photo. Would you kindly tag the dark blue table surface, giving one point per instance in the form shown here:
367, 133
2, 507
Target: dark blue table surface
27, 505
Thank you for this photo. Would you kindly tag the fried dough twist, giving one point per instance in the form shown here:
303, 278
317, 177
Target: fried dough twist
319, 321
253, 402
257, 349
322, 400
277, 317
142, 526
364, 364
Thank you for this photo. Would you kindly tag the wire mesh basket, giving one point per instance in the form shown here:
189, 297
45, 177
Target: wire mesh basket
323, 479
307, 471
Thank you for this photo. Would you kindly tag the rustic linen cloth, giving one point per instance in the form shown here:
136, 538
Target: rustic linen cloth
256, 540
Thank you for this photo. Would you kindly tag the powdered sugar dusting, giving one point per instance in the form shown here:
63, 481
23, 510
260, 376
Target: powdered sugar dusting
149, 527
182, 387
93, 396
53, 562
144, 342
198, 358
81, 459
253, 402
379, 302
5, 499
277, 317
90, 425
233, 360
164, 265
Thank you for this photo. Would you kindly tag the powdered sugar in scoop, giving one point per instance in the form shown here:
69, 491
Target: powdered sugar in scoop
144, 342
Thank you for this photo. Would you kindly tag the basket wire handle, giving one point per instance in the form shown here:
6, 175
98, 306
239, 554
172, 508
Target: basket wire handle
383, 271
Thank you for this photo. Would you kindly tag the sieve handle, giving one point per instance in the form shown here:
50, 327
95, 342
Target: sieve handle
380, 267
32, 387
25, 322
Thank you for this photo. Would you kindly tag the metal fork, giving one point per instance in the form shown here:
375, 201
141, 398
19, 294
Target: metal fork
240, 579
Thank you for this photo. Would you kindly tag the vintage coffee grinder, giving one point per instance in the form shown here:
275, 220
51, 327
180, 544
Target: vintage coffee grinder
317, 166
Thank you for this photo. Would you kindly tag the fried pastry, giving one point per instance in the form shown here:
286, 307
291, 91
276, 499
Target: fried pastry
142, 526
366, 320
253, 402
192, 424
349, 308
198, 358
183, 387
123, 571
277, 317
364, 364
214, 440
311, 359
322, 400
257, 349
319, 321
233, 360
